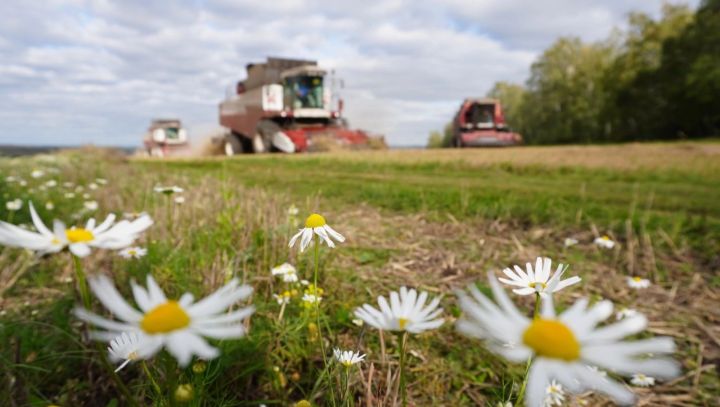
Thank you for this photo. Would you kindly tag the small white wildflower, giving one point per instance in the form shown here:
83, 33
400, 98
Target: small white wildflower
554, 395
93, 186
132, 252
14, 205
51, 183
101, 181
49, 205
37, 173
570, 241
90, 205
605, 242
69, 195
168, 190
179, 200
638, 282
348, 357
642, 380
358, 322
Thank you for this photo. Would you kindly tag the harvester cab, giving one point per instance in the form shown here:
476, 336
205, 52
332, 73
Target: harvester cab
480, 122
284, 105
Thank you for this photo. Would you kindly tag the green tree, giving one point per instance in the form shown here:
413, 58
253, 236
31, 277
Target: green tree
565, 94
435, 140
636, 98
511, 97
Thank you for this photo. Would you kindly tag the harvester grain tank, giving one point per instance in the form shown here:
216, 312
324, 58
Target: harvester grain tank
284, 105
480, 122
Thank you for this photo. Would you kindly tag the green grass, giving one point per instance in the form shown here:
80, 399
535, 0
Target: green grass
683, 206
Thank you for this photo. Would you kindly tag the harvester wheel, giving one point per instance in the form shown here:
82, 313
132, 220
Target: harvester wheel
264, 132
232, 145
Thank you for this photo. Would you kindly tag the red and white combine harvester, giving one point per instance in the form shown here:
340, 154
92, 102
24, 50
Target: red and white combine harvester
166, 137
285, 105
480, 122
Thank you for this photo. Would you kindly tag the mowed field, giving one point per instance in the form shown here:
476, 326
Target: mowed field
436, 220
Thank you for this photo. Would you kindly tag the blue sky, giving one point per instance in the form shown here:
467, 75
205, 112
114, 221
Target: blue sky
97, 71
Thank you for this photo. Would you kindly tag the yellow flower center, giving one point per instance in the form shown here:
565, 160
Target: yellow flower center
533, 285
637, 279
132, 252
314, 221
552, 339
165, 318
402, 322
133, 356
79, 235
347, 363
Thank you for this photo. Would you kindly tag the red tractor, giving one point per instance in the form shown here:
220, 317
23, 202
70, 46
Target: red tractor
284, 105
480, 122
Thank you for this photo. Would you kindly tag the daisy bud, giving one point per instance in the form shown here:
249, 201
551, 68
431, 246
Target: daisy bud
184, 393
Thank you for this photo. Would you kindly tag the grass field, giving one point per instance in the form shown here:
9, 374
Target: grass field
434, 220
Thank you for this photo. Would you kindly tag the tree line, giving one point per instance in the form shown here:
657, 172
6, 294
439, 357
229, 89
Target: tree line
658, 79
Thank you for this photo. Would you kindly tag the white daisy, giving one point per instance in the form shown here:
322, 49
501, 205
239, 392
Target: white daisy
293, 210
179, 200
168, 190
554, 395
101, 181
90, 205
626, 313
642, 380
37, 173
93, 186
538, 280
311, 299
638, 282
22, 183
132, 252
283, 298
563, 346
348, 357
605, 242
179, 326
405, 312
10, 179
14, 205
125, 347
286, 271
315, 224
282, 269
49, 205
51, 183
570, 241
107, 235
69, 195
68, 184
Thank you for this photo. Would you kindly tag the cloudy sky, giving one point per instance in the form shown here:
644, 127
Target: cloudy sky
96, 71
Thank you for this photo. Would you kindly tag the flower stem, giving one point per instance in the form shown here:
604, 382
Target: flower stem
536, 315
521, 394
346, 396
156, 387
82, 282
403, 385
317, 303
85, 296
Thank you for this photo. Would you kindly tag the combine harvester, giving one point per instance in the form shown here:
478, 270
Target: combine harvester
480, 123
166, 137
285, 105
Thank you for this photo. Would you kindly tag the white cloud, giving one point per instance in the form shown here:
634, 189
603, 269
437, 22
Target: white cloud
98, 70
